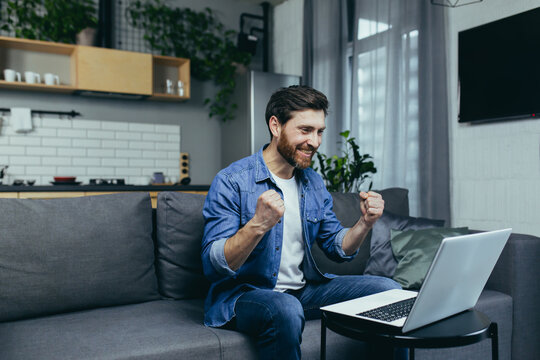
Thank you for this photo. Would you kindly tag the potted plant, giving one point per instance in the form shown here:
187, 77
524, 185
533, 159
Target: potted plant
199, 36
348, 172
49, 20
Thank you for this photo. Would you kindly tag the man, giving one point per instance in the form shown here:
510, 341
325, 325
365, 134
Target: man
262, 216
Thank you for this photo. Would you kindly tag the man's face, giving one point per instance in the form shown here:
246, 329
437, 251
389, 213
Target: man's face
300, 137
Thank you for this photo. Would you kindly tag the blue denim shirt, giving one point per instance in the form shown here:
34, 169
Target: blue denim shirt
231, 203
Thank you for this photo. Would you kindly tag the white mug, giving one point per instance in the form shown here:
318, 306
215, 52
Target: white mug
12, 75
180, 88
31, 77
169, 86
51, 79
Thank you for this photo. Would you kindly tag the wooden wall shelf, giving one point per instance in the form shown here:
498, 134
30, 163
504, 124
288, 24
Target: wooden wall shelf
87, 68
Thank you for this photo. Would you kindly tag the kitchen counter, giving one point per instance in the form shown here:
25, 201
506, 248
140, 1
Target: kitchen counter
68, 191
102, 188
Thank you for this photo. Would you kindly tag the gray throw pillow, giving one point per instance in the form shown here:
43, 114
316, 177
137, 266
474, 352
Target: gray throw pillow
346, 206
180, 227
415, 250
381, 261
62, 255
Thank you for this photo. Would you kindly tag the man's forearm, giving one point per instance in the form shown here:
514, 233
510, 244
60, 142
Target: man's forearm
238, 247
355, 237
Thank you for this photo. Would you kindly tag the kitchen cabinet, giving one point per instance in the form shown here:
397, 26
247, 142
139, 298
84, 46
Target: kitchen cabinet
91, 69
114, 71
40, 57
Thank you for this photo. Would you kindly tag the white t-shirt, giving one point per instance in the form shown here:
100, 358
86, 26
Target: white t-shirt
292, 250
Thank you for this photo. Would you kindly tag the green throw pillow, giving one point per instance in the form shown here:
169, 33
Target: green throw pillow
414, 250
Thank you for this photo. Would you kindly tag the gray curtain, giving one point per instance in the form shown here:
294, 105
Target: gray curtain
388, 86
325, 64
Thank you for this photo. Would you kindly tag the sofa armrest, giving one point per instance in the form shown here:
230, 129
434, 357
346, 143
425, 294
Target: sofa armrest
516, 274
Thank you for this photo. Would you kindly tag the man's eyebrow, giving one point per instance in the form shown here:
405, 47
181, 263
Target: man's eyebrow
310, 127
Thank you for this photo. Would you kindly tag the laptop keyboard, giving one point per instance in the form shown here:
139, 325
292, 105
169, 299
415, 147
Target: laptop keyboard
390, 312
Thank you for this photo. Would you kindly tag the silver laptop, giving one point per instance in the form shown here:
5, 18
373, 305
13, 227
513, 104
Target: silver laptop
453, 284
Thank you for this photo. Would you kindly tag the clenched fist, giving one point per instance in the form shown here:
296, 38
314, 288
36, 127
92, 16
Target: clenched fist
372, 206
270, 208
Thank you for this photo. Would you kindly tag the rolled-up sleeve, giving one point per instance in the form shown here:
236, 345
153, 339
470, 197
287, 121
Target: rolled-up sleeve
221, 214
217, 258
338, 245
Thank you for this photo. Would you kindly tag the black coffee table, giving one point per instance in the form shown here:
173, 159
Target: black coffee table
466, 328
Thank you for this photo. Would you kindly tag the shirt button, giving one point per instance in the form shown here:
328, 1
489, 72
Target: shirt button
279, 221
274, 274
277, 248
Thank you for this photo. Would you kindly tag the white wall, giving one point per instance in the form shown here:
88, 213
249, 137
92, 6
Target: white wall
495, 167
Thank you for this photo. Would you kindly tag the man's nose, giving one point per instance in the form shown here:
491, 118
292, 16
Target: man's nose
314, 140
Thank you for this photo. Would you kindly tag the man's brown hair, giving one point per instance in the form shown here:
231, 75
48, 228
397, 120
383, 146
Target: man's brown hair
285, 101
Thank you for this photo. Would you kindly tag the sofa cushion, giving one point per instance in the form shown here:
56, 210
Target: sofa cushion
414, 251
381, 261
162, 329
180, 226
62, 255
347, 210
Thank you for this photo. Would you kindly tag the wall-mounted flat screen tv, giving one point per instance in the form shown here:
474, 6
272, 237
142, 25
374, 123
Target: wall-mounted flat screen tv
499, 69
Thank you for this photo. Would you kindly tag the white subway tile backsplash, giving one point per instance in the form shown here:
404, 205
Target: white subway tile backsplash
86, 124
168, 129
24, 140
141, 127
129, 153
173, 138
114, 125
11, 150
141, 163
127, 171
71, 170
87, 143
100, 152
166, 163
114, 144
128, 136
41, 131
100, 171
100, 134
25, 160
75, 151
142, 145
56, 123
168, 146
114, 162
90, 149
154, 137
56, 160
55, 142
86, 161
32, 170
148, 154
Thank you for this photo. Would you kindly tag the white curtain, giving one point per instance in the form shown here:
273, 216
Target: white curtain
393, 75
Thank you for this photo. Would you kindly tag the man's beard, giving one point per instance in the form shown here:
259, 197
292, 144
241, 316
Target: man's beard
288, 151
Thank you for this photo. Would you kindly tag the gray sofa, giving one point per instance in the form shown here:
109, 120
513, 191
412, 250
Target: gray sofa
106, 277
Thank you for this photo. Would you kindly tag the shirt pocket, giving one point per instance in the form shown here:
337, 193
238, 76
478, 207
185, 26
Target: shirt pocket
314, 216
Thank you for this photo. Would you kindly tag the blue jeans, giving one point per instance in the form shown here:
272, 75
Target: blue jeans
277, 319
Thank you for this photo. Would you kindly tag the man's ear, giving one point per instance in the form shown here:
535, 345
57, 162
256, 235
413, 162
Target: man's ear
275, 126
